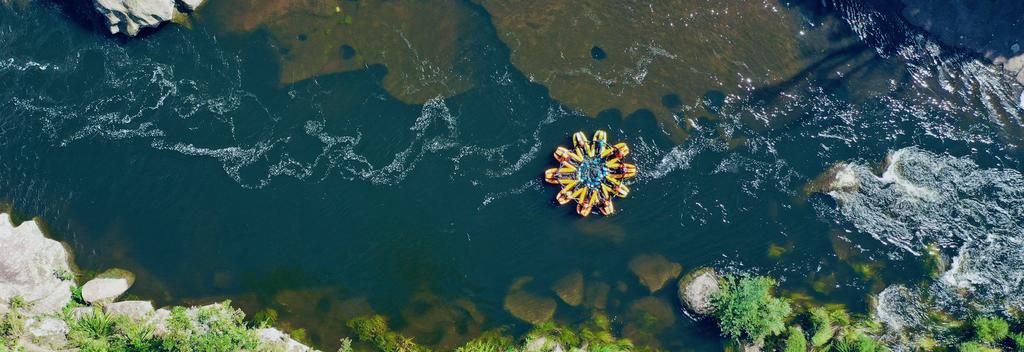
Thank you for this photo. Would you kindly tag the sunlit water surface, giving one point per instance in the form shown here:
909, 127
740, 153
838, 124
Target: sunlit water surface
390, 162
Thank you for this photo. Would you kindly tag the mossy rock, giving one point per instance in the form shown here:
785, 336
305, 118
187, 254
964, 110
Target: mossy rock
529, 307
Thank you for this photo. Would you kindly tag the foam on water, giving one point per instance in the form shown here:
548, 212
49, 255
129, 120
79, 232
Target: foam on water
921, 199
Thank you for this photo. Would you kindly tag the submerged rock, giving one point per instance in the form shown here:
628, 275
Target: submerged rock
596, 295
840, 177
32, 267
697, 288
570, 288
527, 306
106, 287
651, 314
654, 270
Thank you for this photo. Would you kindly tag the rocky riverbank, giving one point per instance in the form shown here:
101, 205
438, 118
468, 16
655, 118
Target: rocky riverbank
131, 16
43, 309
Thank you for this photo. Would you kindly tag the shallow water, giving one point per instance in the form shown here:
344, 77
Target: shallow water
215, 164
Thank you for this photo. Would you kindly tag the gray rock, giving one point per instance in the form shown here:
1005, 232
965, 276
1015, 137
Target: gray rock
1014, 66
542, 344
79, 312
159, 321
30, 266
753, 347
130, 16
135, 310
48, 332
839, 178
696, 289
279, 341
106, 287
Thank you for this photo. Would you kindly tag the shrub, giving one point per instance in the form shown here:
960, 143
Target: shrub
821, 322
991, 330
76, 295
745, 309
217, 327
266, 317
374, 329
795, 341
91, 330
855, 341
492, 341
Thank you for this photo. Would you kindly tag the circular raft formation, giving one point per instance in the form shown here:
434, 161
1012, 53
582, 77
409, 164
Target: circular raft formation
592, 173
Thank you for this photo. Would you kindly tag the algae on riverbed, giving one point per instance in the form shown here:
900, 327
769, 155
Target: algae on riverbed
597, 55
423, 54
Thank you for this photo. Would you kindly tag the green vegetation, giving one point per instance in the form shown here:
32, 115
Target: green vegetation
374, 330
594, 336
795, 340
65, 275
991, 330
857, 341
211, 328
834, 330
746, 309
12, 324
1018, 341
266, 317
99, 332
825, 322
491, 341
975, 347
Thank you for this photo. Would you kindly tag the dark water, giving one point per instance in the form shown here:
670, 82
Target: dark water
188, 157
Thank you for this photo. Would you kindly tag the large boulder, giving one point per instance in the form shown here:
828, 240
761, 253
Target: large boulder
32, 267
696, 290
131, 16
106, 287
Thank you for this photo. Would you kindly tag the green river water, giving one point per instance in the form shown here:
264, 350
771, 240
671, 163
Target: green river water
387, 157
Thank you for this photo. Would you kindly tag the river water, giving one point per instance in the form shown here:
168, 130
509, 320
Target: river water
334, 158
